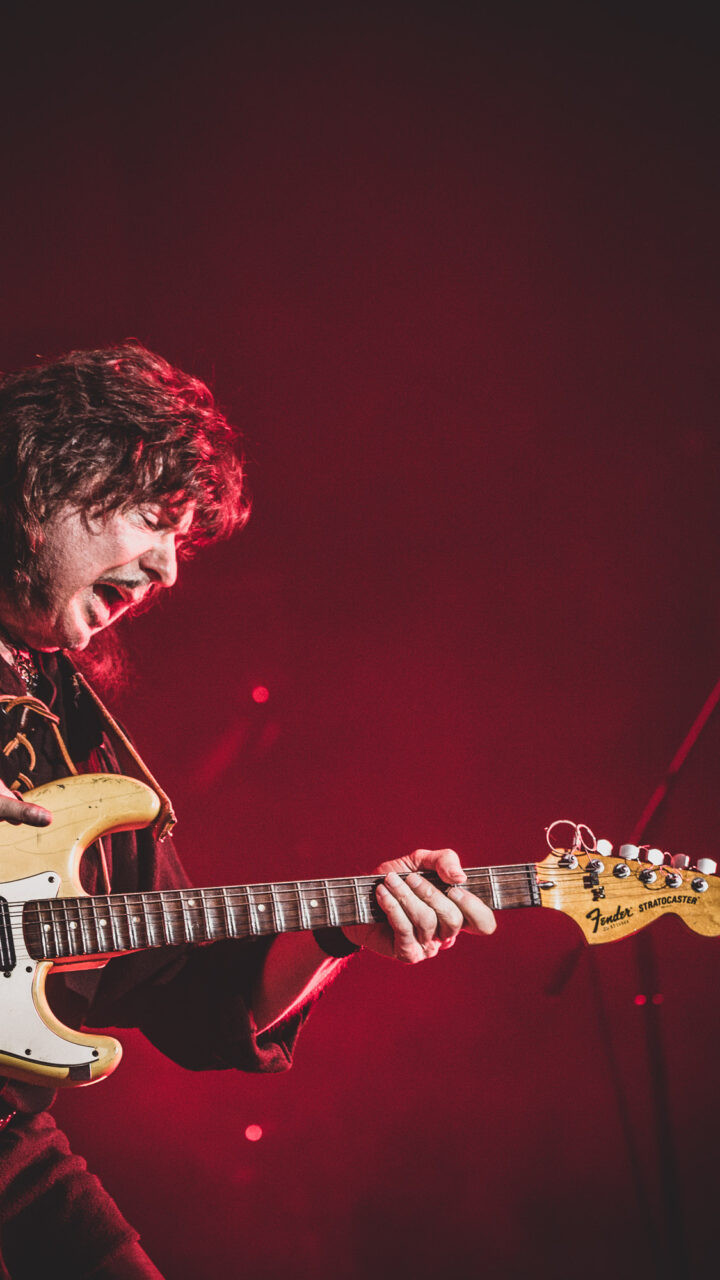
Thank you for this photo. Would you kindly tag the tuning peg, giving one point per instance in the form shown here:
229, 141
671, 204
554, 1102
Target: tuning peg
604, 848
629, 852
681, 861
706, 866
655, 856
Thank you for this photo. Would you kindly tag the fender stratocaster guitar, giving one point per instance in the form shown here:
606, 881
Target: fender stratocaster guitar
47, 921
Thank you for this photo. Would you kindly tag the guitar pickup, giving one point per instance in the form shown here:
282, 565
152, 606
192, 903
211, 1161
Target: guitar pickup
7, 945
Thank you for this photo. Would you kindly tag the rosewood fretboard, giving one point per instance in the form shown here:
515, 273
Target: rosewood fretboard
64, 928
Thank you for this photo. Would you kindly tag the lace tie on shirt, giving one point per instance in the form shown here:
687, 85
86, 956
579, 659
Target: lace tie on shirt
10, 702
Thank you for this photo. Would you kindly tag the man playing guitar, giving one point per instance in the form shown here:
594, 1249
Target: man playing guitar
110, 462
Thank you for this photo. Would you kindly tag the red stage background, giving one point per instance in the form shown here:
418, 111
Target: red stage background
454, 273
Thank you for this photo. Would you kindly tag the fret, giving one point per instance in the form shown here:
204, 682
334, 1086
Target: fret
253, 917
132, 920
78, 926
360, 916
331, 905
316, 906
142, 919
186, 922
194, 922
371, 903
264, 916
304, 917
213, 914
534, 899
229, 915
244, 924
99, 912
63, 921
56, 921
152, 918
102, 923
113, 925
102, 930
63, 931
204, 919
278, 915
173, 920
162, 917
120, 923
494, 899
289, 907
45, 924
89, 927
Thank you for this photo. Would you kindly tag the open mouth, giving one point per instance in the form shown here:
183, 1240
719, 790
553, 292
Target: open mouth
111, 596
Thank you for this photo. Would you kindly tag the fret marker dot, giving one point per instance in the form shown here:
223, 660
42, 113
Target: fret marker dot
136, 919
191, 902
73, 924
313, 902
102, 923
261, 906
46, 927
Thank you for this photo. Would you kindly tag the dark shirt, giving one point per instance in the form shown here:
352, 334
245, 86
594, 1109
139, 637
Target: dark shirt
193, 1003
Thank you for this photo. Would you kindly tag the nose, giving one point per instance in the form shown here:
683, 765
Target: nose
160, 560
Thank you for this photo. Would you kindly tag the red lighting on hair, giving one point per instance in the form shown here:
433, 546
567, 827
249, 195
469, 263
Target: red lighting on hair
253, 1133
260, 693
640, 999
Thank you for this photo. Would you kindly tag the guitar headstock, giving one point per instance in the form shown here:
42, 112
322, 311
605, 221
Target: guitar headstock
611, 897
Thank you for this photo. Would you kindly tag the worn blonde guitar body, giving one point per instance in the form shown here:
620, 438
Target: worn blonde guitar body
39, 863
47, 921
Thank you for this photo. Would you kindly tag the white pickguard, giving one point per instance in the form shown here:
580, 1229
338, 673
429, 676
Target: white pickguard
23, 1033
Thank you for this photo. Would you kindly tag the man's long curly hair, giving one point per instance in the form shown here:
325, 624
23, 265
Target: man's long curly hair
107, 430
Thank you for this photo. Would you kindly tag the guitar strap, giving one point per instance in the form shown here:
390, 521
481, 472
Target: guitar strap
129, 760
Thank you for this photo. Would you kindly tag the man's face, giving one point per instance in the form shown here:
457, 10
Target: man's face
93, 571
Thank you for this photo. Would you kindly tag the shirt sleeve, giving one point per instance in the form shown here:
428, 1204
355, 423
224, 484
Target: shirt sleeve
192, 1002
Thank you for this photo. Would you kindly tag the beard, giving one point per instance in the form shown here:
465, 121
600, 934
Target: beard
105, 661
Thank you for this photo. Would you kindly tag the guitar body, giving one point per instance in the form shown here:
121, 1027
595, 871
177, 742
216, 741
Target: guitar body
44, 862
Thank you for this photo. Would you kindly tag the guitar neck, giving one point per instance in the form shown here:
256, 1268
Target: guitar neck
65, 928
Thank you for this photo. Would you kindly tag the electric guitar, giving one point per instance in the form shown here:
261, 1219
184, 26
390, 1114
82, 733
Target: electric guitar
47, 921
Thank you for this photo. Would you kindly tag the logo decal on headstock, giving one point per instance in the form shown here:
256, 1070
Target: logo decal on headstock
607, 922
668, 902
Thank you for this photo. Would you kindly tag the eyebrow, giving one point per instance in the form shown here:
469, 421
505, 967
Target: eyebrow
166, 519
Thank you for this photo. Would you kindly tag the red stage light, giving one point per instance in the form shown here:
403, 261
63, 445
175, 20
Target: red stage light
260, 693
640, 999
658, 997
253, 1133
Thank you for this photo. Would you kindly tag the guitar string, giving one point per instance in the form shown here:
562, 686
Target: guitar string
473, 873
264, 925
343, 883
76, 942
169, 919
337, 891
